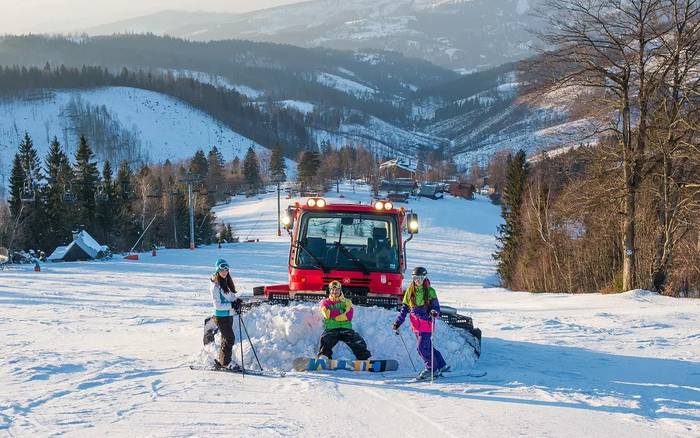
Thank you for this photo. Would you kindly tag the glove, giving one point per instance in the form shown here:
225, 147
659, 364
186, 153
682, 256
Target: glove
237, 305
395, 328
434, 313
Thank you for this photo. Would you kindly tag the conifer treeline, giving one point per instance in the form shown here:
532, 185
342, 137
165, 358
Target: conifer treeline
50, 199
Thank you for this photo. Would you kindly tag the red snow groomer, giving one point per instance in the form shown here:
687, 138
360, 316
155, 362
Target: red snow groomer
360, 245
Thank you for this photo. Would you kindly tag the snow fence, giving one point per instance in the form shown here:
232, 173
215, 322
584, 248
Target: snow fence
282, 333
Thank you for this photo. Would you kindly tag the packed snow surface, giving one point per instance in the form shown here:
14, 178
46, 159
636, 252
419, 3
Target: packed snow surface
102, 348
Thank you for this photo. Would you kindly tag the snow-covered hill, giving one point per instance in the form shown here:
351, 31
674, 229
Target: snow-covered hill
382, 137
461, 35
500, 115
105, 348
167, 128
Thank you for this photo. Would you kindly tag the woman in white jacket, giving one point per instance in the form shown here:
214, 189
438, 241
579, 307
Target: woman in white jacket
224, 298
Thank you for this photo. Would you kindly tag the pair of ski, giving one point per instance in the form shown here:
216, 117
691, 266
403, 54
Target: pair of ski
314, 364
448, 376
261, 373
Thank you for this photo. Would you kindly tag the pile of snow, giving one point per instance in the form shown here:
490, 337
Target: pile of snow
281, 334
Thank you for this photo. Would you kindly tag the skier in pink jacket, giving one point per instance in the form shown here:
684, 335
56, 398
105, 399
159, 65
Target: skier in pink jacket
421, 304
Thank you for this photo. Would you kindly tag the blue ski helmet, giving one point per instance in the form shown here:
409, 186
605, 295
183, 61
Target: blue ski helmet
221, 264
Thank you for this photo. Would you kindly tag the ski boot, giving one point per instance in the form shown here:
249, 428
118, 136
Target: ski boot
445, 369
423, 375
232, 366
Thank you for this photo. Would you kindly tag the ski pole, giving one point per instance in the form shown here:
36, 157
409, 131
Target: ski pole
240, 318
240, 339
432, 350
407, 352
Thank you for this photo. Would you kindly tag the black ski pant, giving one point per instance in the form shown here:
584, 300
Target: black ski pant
225, 325
353, 340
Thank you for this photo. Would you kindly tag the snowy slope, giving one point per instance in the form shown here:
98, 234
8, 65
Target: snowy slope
383, 137
345, 85
168, 128
105, 347
215, 80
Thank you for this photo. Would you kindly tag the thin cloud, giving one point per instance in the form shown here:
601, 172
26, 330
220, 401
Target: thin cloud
46, 16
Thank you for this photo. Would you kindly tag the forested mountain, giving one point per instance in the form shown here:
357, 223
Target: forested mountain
296, 97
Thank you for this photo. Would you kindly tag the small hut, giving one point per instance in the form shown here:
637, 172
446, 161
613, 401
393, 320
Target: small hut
83, 247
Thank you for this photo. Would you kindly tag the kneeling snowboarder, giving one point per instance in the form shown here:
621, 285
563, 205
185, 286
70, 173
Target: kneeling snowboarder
420, 301
337, 314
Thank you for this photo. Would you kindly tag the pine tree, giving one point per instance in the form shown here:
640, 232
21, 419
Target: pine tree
309, 162
277, 165
127, 228
219, 156
86, 180
106, 205
26, 173
25, 180
199, 165
251, 169
59, 214
236, 166
18, 180
216, 180
510, 231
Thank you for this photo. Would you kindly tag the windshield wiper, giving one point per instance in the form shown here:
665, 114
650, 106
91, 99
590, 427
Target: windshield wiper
323, 267
352, 258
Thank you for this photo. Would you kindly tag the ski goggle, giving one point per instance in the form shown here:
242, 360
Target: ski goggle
335, 285
419, 277
223, 268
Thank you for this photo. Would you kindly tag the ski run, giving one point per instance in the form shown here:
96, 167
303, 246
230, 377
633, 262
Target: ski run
105, 348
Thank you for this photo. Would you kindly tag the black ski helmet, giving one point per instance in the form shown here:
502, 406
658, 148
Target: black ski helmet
419, 271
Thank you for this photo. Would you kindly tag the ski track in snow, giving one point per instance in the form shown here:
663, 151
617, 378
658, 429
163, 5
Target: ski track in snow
101, 348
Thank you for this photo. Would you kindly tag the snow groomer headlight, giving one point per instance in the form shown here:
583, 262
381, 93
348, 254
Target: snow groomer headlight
412, 223
383, 205
316, 202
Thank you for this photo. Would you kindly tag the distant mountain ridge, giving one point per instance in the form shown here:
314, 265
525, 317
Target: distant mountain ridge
389, 103
463, 35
